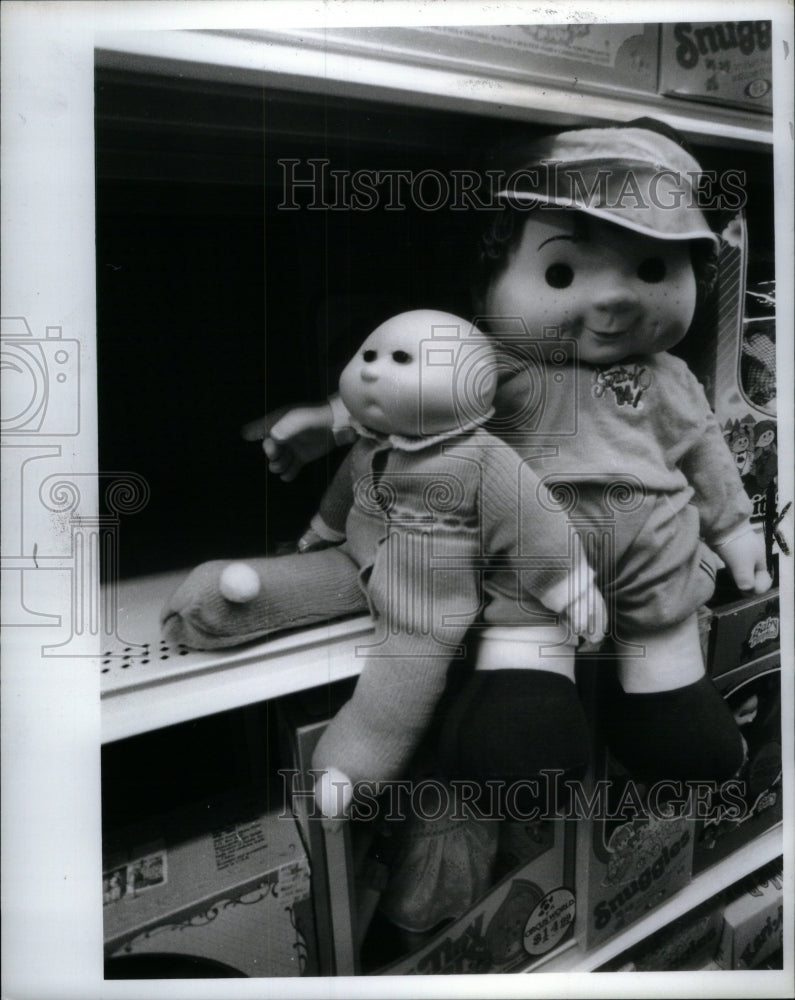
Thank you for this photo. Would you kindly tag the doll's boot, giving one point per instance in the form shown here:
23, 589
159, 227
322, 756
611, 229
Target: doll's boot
688, 733
512, 727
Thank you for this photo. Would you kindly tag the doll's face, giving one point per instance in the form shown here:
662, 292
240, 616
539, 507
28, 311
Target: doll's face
765, 439
390, 386
616, 292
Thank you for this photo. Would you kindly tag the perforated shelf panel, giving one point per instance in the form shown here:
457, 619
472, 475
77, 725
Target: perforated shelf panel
146, 683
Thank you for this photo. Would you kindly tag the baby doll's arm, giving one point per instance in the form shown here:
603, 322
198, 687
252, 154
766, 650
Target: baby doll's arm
513, 514
327, 527
293, 437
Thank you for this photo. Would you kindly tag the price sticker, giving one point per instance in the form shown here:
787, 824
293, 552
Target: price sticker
549, 922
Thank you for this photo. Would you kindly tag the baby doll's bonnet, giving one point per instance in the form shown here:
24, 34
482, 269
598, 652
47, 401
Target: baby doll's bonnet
634, 177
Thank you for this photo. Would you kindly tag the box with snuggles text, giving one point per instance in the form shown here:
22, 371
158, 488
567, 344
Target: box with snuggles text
225, 882
723, 62
635, 840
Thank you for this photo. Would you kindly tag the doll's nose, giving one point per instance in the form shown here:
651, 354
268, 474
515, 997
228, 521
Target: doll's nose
368, 373
617, 299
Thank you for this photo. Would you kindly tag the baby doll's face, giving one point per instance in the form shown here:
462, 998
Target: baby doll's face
390, 387
616, 292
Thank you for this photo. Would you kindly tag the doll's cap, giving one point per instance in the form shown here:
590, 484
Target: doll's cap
633, 177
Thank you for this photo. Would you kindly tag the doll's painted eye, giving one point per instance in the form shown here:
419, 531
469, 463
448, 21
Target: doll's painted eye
370, 355
559, 275
652, 270
401, 357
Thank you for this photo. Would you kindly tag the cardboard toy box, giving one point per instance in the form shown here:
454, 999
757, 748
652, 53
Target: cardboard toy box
628, 867
302, 719
724, 62
753, 922
686, 944
752, 802
612, 56
527, 913
226, 882
634, 849
742, 632
734, 358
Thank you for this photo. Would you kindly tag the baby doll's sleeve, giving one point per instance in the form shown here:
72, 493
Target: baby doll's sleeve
519, 518
711, 470
340, 421
332, 514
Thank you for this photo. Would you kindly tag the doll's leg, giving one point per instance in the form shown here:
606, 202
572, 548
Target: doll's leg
667, 720
511, 725
295, 591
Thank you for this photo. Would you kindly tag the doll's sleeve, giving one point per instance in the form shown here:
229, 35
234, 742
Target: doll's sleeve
340, 421
520, 518
709, 466
332, 514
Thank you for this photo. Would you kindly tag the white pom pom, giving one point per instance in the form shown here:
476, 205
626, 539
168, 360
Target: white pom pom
239, 583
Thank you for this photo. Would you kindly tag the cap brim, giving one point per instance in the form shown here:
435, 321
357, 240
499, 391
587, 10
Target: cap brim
627, 219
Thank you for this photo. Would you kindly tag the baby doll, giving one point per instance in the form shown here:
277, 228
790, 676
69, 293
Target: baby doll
444, 529
600, 252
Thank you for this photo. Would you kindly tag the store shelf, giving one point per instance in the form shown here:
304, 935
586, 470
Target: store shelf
736, 866
147, 684
295, 60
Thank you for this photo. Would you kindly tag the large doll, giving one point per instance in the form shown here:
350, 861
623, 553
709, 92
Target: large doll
444, 529
597, 257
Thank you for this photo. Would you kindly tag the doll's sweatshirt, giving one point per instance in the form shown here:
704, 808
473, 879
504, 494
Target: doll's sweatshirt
644, 422
442, 530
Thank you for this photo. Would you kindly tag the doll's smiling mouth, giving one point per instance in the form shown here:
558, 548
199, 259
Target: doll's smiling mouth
606, 334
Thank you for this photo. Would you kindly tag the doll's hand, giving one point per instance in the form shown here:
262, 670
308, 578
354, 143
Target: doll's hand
333, 794
745, 557
587, 614
311, 541
292, 437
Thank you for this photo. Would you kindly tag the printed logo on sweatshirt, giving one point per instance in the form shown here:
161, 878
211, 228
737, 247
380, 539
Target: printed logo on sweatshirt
624, 384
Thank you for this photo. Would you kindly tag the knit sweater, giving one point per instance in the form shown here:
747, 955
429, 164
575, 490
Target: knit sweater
442, 530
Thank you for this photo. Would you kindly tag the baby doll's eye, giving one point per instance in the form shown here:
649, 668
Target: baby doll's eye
559, 275
652, 270
402, 357
370, 355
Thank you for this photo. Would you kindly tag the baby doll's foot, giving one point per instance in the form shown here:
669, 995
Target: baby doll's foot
215, 607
